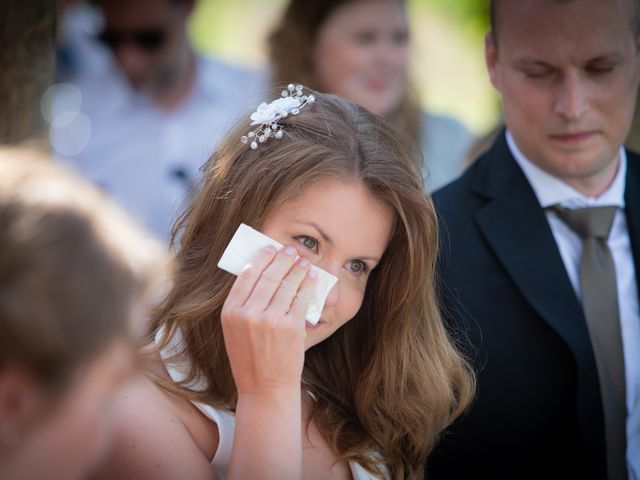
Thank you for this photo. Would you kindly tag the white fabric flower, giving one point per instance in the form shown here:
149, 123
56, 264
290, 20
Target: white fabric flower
270, 112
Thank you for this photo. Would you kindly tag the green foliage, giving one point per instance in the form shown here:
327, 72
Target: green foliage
472, 15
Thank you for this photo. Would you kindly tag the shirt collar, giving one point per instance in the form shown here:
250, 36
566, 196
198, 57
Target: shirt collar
551, 190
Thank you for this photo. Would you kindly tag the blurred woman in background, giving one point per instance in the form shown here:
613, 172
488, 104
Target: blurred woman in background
359, 49
73, 274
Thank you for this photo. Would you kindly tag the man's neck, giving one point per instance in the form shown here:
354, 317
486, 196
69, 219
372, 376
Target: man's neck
551, 188
591, 184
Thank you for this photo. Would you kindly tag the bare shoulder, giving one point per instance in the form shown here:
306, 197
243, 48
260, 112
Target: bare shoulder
150, 439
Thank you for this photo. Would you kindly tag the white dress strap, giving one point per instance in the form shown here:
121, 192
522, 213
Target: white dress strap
226, 423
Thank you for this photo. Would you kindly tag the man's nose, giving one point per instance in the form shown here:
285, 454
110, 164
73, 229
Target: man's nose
130, 59
572, 100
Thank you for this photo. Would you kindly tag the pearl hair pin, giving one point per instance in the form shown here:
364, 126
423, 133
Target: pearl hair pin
266, 117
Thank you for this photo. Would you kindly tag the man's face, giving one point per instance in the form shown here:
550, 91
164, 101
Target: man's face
148, 39
569, 75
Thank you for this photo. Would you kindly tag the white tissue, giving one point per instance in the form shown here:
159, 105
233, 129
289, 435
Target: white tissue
244, 246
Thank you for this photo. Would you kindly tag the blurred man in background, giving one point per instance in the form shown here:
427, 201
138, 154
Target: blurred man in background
142, 129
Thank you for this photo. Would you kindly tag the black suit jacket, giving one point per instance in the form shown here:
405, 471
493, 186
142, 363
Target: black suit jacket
538, 410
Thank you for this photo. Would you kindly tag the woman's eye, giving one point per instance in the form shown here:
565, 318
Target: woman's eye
357, 266
401, 38
308, 242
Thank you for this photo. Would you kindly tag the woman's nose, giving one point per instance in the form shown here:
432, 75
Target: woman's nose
333, 296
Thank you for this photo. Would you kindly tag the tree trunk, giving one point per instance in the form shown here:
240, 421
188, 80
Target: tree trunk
27, 46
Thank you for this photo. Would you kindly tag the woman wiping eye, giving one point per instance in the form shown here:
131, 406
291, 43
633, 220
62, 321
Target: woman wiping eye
278, 397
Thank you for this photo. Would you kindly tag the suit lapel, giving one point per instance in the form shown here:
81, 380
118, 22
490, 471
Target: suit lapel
516, 228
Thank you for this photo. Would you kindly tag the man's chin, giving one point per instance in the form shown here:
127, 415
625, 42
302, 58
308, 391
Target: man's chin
580, 163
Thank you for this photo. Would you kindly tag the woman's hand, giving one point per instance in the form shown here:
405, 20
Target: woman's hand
263, 321
264, 329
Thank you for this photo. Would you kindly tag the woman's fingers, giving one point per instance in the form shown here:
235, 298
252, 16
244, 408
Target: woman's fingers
288, 288
250, 274
271, 279
274, 283
302, 299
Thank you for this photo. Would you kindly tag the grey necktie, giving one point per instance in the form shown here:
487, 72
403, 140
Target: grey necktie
600, 306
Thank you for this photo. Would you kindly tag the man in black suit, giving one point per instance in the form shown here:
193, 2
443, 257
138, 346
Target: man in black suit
514, 268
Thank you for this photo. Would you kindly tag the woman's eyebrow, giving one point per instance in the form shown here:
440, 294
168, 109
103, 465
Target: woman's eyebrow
375, 260
328, 239
322, 233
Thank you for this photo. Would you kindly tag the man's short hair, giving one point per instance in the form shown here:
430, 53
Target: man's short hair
634, 5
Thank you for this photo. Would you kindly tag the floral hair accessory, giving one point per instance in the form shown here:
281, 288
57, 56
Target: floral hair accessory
267, 115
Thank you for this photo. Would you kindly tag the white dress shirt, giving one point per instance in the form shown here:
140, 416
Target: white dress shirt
147, 158
550, 191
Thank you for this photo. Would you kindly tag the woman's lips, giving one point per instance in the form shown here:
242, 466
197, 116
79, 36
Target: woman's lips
381, 84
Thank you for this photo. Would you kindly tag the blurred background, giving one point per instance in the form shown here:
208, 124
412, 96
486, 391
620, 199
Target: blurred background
446, 41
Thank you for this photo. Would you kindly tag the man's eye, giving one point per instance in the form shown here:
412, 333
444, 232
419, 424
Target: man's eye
600, 69
537, 73
308, 242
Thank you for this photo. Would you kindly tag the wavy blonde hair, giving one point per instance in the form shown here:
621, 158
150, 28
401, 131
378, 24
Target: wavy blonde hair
291, 45
390, 380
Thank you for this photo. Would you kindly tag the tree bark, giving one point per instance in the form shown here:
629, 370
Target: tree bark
27, 46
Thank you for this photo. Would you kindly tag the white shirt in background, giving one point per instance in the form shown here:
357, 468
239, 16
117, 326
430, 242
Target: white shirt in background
147, 158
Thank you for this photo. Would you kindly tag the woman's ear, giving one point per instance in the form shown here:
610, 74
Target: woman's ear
21, 403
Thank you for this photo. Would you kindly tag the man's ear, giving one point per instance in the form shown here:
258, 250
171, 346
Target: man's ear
21, 400
491, 59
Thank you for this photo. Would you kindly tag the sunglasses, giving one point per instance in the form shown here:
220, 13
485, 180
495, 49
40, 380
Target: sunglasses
148, 40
